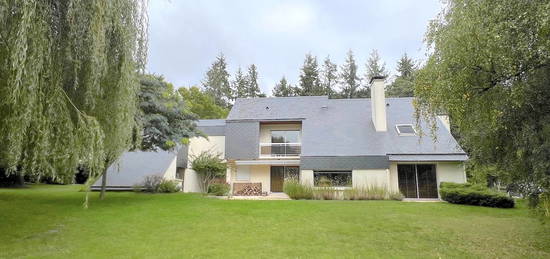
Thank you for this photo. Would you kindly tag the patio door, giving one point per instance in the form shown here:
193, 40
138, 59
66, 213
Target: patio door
280, 173
417, 180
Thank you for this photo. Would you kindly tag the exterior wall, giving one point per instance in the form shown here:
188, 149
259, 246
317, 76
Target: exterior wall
369, 178
258, 174
344, 162
242, 139
306, 177
265, 130
170, 173
196, 146
445, 172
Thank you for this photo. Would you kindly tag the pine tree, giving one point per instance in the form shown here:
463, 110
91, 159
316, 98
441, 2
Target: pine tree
309, 77
216, 83
375, 66
349, 80
239, 85
329, 76
252, 89
403, 85
283, 89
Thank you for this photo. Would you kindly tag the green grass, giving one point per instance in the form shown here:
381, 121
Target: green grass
48, 221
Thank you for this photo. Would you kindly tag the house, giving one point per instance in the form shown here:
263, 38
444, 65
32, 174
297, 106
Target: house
132, 168
343, 142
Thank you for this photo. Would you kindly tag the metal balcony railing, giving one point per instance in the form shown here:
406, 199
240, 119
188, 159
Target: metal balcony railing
271, 150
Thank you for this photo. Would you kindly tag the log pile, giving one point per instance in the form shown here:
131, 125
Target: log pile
248, 189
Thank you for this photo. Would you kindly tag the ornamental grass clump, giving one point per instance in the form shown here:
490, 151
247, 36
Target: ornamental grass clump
371, 192
297, 191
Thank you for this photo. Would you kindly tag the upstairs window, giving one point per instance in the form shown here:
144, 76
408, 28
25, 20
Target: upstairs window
405, 130
285, 136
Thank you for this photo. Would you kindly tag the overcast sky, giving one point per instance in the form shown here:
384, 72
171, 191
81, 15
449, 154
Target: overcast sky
185, 36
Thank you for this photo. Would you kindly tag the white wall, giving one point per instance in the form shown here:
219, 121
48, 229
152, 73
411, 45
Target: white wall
196, 146
373, 177
306, 177
257, 173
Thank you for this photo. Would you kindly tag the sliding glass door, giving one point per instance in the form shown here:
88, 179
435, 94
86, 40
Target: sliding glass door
280, 173
417, 180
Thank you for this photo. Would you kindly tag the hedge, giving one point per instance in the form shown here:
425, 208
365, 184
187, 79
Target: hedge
474, 195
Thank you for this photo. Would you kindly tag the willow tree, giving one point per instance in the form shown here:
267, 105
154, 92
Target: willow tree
489, 69
68, 84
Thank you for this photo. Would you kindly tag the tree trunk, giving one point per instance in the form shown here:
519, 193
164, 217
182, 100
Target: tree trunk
103, 185
20, 179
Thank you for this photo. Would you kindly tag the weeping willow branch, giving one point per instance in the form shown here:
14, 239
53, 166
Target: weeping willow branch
68, 84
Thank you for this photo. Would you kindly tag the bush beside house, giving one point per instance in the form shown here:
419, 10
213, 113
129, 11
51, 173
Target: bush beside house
297, 191
157, 184
474, 195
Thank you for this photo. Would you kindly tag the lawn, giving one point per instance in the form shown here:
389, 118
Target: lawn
48, 221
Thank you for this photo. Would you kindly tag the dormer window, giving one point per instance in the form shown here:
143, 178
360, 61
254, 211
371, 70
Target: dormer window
405, 130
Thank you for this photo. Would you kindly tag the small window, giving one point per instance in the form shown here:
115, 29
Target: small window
405, 129
332, 179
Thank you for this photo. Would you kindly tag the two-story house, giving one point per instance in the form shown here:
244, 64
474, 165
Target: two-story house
347, 142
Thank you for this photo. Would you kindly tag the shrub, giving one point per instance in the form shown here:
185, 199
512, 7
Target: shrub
209, 166
326, 193
219, 189
372, 193
151, 183
168, 186
156, 183
474, 195
297, 191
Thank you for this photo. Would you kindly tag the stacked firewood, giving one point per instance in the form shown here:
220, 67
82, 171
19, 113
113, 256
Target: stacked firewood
250, 190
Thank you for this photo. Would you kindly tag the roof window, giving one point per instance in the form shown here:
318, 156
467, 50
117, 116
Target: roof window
405, 130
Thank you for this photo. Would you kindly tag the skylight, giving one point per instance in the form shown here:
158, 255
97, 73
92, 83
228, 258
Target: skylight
405, 129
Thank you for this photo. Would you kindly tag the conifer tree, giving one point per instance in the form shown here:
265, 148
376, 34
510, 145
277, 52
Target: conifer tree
349, 80
403, 85
283, 89
239, 85
252, 89
375, 66
309, 77
216, 83
329, 76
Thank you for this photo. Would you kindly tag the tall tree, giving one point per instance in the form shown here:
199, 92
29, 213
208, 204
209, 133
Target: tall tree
403, 85
375, 66
329, 76
68, 84
216, 83
164, 117
489, 69
283, 89
252, 89
202, 104
310, 83
239, 85
349, 80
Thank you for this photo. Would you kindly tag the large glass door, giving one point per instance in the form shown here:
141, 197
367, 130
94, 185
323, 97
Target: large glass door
417, 180
280, 173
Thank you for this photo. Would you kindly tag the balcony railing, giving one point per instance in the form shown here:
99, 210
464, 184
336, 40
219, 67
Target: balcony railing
275, 150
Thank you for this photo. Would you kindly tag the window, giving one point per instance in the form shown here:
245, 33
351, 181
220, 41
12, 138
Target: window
405, 129
332, 179
285, 136
243, 173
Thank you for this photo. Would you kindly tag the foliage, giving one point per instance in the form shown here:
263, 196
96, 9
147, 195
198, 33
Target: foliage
310, 83
219, 189
68, 84
372, 193
283, 89
326, 193
157, 184
341, 229
168, 186
208, 166
329, 76
216, 83
403, 85
474, 195
239, 85
202, 104
349, 80
252, 87
375, 66
297, 191
165, 118
489, 69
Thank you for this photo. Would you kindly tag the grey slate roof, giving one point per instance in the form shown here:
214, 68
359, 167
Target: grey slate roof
343, 127
212, 127
132, 167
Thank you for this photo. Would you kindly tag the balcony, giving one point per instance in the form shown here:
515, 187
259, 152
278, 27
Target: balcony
280, 150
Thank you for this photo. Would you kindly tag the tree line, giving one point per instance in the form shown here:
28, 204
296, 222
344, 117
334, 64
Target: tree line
329, 79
